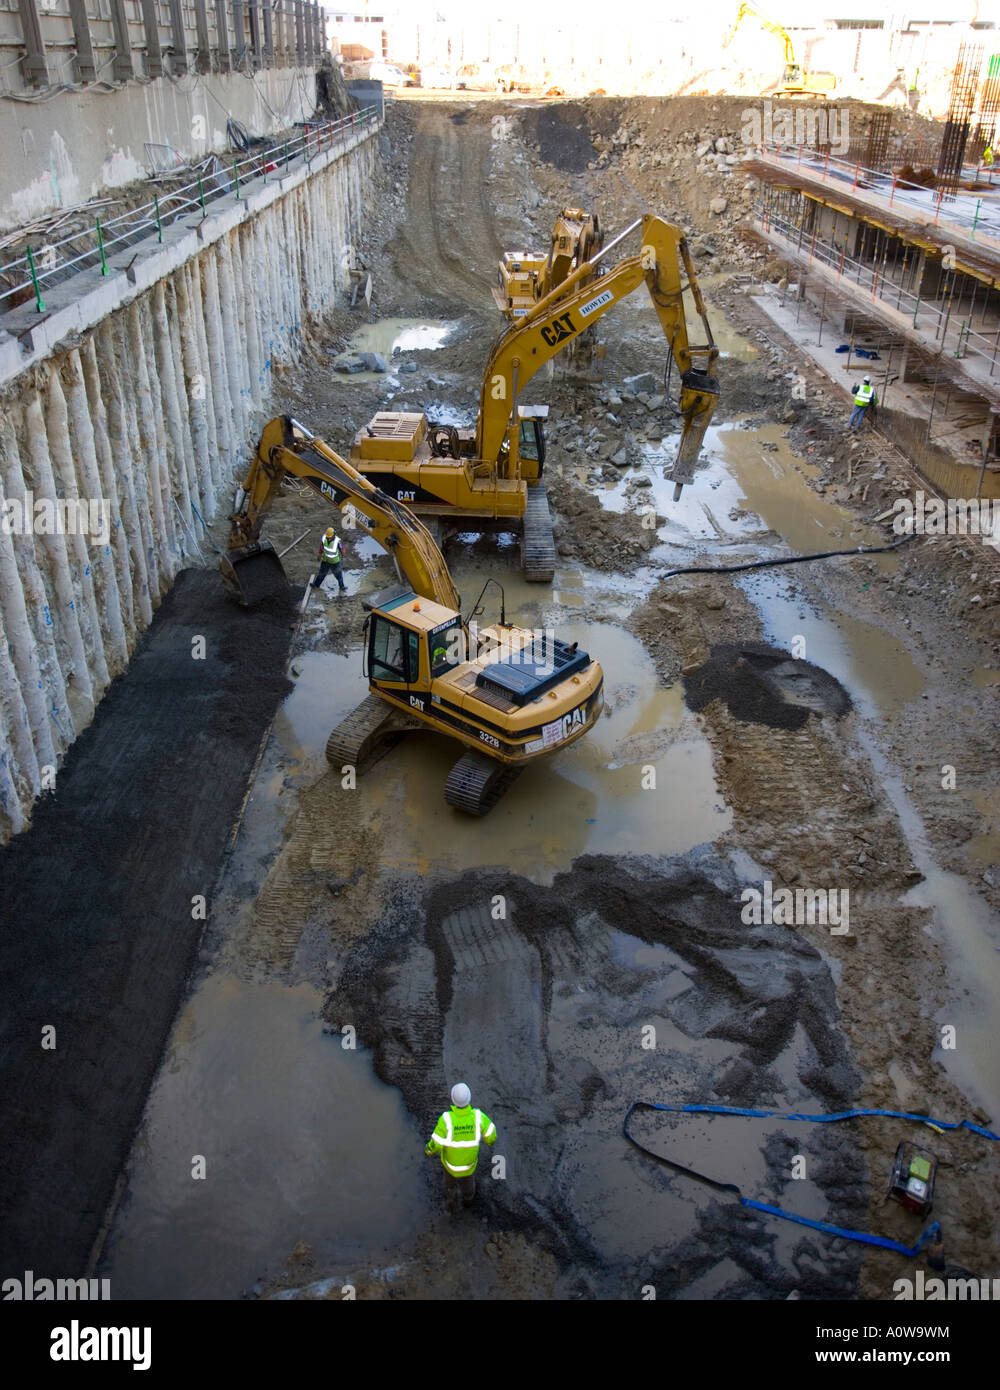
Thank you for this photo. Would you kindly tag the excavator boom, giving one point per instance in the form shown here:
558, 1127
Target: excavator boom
794, 81
577, 303
287, 447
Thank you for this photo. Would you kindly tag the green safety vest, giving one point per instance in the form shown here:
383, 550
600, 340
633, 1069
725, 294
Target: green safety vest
864, 394
457, 1136
331, 550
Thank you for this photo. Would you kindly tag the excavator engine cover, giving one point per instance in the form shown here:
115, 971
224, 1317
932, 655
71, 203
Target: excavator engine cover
253, 573
522, 680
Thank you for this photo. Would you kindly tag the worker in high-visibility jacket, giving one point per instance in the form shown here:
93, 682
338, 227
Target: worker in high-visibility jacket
457, 1136
331, 558
864, 396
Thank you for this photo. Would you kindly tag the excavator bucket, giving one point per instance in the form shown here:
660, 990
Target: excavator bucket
253, 573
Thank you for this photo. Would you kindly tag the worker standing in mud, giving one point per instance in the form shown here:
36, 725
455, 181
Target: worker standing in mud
864, 396
331, 558
457, 1136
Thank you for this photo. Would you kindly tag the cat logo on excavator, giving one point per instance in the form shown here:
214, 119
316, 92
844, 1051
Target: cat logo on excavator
560, 328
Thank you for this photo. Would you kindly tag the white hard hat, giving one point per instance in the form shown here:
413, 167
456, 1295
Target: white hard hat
460, 1095
869, 380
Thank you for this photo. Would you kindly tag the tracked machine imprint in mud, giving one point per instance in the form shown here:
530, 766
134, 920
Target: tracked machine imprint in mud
509, 695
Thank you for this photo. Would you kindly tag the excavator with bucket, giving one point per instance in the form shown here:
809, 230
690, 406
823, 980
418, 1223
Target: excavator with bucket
795, 81
493, 472
525, 277
508, 694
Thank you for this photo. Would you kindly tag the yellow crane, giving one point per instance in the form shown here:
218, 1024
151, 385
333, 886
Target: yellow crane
795, 81
508, 694
494, 471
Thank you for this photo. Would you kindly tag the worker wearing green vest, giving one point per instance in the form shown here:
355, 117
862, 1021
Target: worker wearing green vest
457, 1136
864, 396
331, 558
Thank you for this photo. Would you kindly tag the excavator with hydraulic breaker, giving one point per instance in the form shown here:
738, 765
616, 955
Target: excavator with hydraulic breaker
493, 472
795, 81
525, 277
509, 695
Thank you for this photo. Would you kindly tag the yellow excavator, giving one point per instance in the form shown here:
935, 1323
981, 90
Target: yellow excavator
795, 81
524, 277
493, 472
509, 695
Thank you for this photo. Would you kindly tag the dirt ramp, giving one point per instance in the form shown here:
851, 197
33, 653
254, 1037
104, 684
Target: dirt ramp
446, 248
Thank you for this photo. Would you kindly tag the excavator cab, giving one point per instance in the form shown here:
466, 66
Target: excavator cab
531, 441
412, 641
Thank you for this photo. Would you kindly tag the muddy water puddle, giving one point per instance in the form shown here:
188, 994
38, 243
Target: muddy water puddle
968, 933
253, 1085
327, 687
874, 667
985, 848
392, 337
983, 676
753, 490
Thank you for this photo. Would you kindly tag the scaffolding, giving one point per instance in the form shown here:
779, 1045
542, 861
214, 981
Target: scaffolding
951, 312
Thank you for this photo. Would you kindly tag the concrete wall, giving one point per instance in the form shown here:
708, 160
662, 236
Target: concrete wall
61, 152
150, 413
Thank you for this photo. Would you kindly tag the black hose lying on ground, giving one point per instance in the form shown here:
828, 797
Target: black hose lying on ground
790, 559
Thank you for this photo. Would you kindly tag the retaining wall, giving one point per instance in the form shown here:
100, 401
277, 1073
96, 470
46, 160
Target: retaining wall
148, 408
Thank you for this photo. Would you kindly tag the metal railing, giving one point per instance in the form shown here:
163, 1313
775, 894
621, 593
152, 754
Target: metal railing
28, 276
974, 217
934, 318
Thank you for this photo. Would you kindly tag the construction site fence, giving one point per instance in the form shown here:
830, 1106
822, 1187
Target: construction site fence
28, 276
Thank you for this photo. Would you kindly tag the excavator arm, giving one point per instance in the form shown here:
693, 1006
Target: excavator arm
768, 24
286, 447
558, 319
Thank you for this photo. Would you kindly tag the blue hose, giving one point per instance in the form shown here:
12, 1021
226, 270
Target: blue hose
931, 1234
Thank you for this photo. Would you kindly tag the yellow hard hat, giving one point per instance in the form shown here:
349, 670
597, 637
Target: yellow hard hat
329, 532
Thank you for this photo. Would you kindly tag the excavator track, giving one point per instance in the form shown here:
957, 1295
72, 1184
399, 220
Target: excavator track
366, 735
476, 783
538, 547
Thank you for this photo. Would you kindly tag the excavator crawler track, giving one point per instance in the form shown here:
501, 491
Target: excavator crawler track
476, 783
538, 547
366, 735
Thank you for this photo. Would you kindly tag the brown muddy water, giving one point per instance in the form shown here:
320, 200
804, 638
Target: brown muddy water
295, 1133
